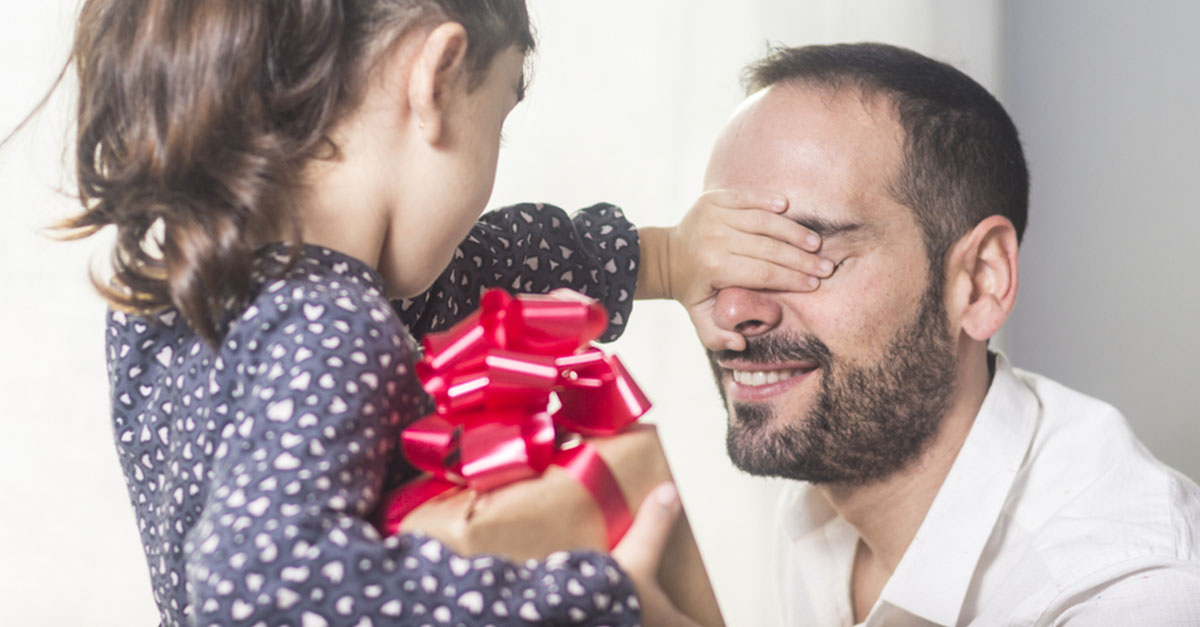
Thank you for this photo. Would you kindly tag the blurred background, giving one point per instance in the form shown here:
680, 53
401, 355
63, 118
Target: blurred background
626, 100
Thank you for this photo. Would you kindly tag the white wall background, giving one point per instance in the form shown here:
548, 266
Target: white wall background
627, 98
69, 547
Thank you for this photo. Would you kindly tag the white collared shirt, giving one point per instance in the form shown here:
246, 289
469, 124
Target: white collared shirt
1052, 514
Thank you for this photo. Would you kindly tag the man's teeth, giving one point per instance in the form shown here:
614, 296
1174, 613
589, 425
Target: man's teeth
763, 377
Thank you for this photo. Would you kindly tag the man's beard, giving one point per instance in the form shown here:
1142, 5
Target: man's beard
866, 423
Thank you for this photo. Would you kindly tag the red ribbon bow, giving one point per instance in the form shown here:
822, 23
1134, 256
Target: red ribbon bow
492, 376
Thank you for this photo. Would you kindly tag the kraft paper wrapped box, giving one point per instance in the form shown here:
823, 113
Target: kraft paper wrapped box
508, 476
510, 521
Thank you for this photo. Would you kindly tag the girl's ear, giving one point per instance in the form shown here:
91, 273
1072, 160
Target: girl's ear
982, 280
438, 67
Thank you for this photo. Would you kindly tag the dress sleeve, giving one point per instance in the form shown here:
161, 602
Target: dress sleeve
535, 248
283, 536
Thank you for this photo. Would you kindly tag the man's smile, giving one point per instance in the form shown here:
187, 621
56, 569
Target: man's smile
757, 382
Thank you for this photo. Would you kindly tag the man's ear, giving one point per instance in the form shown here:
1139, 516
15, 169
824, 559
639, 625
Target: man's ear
439, 65
982, 277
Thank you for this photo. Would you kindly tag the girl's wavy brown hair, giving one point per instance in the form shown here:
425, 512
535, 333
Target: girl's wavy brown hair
195, 118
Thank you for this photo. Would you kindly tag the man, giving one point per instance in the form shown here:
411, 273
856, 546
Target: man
935, 484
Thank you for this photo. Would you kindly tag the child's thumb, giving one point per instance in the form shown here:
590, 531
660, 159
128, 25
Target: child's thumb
642, 547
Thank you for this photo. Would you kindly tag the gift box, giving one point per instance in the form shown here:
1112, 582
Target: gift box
510, 521
508, 474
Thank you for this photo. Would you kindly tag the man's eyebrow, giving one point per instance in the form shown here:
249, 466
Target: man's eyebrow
828, 228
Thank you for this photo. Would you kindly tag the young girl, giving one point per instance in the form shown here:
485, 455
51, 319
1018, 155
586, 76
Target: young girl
276, 171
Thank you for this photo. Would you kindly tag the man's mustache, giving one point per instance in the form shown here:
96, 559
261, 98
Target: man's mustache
778, 347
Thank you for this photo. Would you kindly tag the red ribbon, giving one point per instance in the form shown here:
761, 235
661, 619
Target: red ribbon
491, 377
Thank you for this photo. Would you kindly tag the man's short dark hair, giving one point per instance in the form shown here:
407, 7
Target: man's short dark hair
962, 158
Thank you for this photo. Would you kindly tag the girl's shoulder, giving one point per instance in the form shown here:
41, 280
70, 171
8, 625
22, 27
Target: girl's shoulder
318, 302
312, 273
317, 295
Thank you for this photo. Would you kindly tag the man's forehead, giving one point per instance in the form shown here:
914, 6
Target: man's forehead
833, 154
795, 117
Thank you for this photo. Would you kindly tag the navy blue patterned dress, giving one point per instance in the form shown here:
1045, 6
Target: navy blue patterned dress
255, 468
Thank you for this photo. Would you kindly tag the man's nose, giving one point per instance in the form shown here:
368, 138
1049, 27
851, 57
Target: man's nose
747, 312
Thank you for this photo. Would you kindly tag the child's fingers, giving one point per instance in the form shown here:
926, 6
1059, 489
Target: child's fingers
746, 199
713, 337
774, 251
776, 226
640, 552
643, 544
758, 274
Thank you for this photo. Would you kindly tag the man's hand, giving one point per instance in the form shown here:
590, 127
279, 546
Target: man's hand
734, 237
640, 552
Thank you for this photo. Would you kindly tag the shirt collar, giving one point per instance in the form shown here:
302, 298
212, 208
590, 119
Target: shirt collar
932, 579
936, 571
805, 510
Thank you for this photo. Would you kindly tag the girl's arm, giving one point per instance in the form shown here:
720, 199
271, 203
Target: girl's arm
535, 248
727, 238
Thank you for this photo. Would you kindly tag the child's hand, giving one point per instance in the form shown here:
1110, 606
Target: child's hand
737, 237
640, 552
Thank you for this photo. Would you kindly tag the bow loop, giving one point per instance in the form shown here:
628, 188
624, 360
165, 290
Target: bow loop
491, 377
430, 444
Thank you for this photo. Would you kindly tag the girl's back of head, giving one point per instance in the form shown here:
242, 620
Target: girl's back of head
195, 120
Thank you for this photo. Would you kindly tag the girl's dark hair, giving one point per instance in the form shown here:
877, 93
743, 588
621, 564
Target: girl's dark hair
196, 117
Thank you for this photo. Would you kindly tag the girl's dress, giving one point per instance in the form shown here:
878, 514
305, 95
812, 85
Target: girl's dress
254, 468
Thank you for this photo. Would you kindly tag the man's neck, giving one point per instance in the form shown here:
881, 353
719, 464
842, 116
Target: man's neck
887, 513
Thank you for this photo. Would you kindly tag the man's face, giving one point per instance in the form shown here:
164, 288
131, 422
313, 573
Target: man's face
848, 383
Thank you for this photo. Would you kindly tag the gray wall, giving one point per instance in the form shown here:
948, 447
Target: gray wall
1106, 94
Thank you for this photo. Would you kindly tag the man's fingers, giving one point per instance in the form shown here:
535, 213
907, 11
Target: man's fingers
747, 199
643, 544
